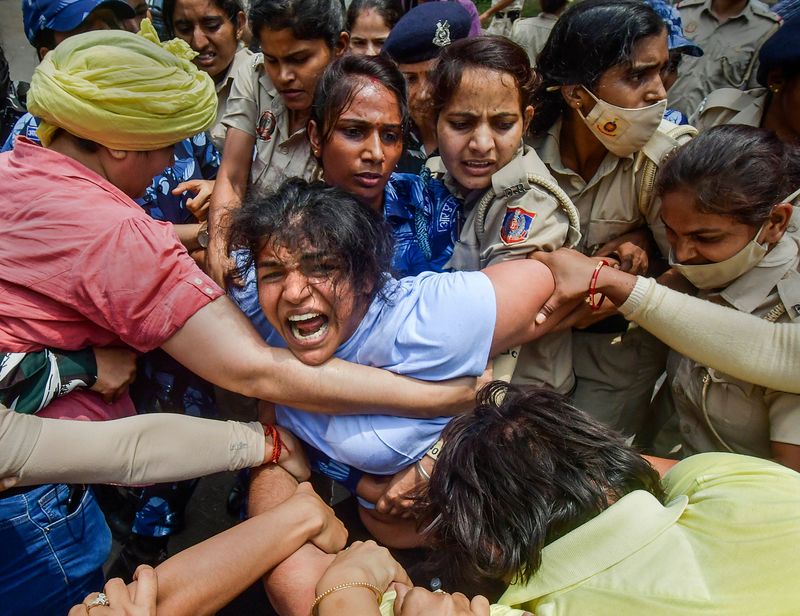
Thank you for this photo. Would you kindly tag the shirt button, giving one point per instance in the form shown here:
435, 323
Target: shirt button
791, 228
209, 291
198, 281
283, 149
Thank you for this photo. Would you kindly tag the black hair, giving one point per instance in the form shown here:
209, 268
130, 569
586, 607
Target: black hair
231, 8
587, 40
552, 6
307, 19
5, 79
341, 82
521, 470
494, 53
389, 10
733, 170
44, 38
297, 215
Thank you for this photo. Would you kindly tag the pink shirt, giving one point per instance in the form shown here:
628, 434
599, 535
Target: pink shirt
82, 265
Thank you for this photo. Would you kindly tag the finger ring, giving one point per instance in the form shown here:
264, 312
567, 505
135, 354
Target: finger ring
100, 599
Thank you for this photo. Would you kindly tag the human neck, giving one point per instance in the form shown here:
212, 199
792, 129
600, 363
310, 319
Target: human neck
725, 9
580, 149
775, 120
65, 144
427, 134
298, 119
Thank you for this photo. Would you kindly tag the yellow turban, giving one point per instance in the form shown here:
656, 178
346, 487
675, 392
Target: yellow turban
124, 91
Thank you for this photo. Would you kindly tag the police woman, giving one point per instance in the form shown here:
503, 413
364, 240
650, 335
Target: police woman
598, 128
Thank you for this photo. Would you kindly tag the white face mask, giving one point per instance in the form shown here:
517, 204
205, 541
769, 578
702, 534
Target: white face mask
621, 130
718, 275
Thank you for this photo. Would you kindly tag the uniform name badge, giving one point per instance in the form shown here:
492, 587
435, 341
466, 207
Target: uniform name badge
516, 225
266, 126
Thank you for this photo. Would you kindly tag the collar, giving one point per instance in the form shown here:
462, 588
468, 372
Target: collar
753, 113
548, 147
34, 157
618, 532
749, 290
239, 58
746, 12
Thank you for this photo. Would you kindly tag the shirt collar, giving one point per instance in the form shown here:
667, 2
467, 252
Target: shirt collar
239, 58
749, 290
746, 12
625, 527
34, 156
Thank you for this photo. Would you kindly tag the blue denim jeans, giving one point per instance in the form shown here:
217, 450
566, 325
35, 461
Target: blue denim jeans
50, 559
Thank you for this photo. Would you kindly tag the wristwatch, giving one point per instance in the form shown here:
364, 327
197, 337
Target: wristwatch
202, 235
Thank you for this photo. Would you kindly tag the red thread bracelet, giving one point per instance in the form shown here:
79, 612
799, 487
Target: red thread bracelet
277, 442
593, 305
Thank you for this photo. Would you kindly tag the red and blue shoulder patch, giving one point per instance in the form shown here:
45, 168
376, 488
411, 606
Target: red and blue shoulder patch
516, 225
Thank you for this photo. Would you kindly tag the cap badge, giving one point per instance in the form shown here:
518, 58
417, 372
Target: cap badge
441, 37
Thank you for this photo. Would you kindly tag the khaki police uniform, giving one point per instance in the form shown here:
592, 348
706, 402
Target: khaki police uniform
223, 87
730, 51
717, 412
523, 211
503, 21
255, 107
616, 363
532, 33
731, 106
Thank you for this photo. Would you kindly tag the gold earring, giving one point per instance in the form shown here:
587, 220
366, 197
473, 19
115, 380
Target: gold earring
774, 89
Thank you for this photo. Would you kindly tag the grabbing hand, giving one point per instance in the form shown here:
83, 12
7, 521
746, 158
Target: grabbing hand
363, 562
197, 205
293, 456
398, 499
632, 250
116, 369
419, 602
330, 535
219, 266
120, 601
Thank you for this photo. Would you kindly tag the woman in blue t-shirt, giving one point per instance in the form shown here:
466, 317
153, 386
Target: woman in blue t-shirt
322, 261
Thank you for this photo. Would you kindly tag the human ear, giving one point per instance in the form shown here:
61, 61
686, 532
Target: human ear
775, 80
42, 51
527, 116
117, 154
777, 223
576, 97
341, 45
239, 24
314, 138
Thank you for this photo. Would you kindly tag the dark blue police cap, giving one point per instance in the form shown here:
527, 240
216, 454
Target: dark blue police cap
65, 15
425, 30
780, 50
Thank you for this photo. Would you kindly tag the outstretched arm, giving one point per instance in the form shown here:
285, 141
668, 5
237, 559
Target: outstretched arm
219, 344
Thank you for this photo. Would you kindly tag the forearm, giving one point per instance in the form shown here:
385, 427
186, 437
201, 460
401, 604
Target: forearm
187, 234
220, 345
205, 577
354, 601
227, 197
713, 335
143, 449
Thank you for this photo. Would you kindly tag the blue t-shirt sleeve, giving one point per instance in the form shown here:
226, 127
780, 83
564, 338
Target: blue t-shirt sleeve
443, 327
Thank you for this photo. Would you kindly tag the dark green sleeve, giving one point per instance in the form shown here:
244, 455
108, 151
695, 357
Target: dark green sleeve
31, 381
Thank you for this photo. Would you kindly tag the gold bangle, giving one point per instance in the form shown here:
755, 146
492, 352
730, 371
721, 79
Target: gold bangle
338, 587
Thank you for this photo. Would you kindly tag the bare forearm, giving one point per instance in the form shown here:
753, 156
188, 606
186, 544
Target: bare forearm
220, 345
207, 576
187, 234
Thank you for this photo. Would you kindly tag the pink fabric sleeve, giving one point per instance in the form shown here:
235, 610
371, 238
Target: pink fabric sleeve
138, 281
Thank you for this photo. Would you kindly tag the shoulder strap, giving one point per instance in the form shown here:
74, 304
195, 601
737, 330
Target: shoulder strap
550, 186
651, 156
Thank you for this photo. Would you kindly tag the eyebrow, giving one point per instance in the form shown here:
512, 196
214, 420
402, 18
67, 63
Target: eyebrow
313, 257
693, 231
643, 66
363, 123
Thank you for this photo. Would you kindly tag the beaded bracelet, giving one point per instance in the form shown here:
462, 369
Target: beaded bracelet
595, 305
338, 587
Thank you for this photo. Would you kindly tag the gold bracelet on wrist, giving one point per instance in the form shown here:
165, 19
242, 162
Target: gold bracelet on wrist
338, 587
